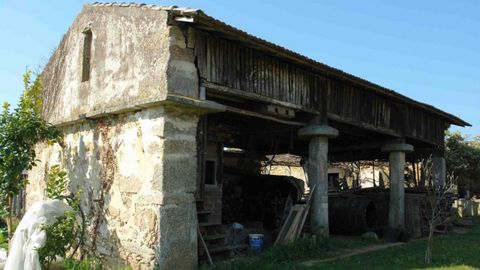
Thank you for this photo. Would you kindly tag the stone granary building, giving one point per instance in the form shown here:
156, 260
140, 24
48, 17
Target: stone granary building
151, 98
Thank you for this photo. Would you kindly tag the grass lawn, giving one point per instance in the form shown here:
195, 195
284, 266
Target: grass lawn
455, 251
288, 256
459, 251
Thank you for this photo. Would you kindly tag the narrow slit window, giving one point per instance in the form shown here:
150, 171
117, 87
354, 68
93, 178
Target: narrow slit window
211, 172
87, 55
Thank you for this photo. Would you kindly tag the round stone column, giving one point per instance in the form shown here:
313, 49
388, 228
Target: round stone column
396, 213
318, 174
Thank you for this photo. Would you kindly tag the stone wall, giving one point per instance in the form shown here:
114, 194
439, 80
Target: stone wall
130, 151
134, 171
136, 58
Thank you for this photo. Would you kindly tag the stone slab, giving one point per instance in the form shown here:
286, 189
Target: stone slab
398, 147
318, 131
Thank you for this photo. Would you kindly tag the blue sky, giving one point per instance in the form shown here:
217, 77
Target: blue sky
427, 50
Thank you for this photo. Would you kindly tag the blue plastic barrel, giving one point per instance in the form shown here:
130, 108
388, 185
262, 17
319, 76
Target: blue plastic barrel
256, 242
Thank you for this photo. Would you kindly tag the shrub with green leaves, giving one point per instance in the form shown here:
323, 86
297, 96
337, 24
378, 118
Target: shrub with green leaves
57, 182
20, 130
463, 160
3, 238
61, 236
66, 232
89, 263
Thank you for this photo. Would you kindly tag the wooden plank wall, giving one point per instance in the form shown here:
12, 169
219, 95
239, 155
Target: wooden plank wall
356, 103
229, 64
232, 64
425, 125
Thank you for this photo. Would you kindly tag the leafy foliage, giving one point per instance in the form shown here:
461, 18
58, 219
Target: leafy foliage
60, 237
463, 159
3, 237
89, 263
57, 182
66, 231
31, 99
20, 130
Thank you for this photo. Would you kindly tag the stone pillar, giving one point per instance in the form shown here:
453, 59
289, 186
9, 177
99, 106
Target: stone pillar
175, 183
318, 173
439, 170
396, 213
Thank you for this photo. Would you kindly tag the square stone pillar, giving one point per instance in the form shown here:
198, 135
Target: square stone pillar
439, 170
318, 174
396, 213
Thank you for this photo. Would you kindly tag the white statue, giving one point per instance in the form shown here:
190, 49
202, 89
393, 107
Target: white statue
30, 236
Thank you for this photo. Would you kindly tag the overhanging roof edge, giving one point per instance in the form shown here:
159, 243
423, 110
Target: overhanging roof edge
203, 19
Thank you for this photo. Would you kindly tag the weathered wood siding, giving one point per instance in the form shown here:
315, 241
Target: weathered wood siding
230, 64
353, 102
234, 65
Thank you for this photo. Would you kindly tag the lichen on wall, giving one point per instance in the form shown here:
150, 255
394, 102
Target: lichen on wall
135, 171
132, 156
129, 57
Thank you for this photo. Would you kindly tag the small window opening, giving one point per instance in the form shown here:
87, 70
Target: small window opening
333, 179
87, 53
210, 172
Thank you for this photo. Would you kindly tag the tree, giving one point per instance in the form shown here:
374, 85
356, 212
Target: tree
20, 130
476, 141
437, 210
463, 159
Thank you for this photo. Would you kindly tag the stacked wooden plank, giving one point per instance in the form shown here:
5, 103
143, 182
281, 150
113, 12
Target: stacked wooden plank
295, 221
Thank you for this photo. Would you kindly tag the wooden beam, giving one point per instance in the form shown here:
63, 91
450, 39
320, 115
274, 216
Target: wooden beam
423, 141
359, 124
365, 146
228, 91
219, 90
263, 116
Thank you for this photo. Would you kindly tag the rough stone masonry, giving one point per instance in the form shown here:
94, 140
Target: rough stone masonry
129, 133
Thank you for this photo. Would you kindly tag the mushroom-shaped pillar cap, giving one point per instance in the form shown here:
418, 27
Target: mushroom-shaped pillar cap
317, 131
398, 147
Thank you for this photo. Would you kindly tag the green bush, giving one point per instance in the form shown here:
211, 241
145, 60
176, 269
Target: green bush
66, 232
3, 238
89, 263
20, 130
57, 182
60, 238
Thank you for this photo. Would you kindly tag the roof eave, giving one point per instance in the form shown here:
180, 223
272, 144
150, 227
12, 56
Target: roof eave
212, 24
